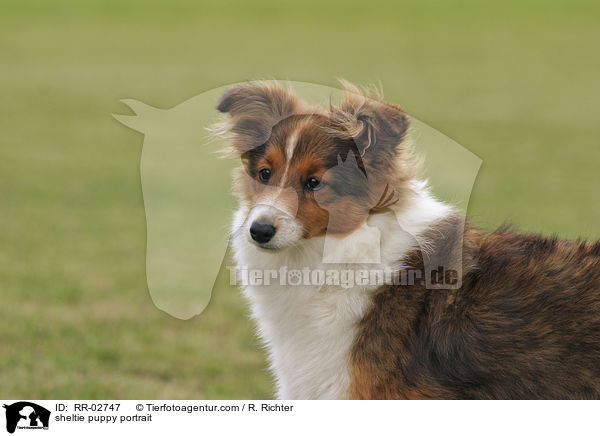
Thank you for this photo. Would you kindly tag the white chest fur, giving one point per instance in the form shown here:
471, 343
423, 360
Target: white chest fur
309, 330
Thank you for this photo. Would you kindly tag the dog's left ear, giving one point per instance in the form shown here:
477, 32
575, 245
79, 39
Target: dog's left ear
373, 125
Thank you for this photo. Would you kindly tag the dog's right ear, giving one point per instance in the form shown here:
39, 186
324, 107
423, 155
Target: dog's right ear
254, 109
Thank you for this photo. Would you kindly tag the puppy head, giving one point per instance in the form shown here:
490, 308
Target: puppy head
312, 171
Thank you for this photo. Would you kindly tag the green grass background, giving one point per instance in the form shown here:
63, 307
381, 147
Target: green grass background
516, 82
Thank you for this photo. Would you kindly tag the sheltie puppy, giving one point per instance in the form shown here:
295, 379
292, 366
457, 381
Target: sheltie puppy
326, 190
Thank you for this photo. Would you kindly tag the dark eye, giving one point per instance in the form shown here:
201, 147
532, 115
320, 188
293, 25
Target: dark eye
264, 175
314, 184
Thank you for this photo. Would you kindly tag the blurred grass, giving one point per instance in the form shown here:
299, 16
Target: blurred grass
516, 82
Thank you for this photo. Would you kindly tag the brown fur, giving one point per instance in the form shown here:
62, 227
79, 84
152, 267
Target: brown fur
524, 325
262, 117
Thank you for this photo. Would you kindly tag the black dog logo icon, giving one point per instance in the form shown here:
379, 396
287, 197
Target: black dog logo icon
26, 415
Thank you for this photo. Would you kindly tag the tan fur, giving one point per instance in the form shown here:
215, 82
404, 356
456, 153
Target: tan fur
263, 116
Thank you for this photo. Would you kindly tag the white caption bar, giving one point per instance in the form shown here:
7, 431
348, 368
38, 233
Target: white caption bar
30, 417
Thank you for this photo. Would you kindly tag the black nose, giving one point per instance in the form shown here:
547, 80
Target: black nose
261, 232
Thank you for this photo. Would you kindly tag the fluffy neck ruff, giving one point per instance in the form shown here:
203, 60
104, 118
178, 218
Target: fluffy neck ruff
309, 329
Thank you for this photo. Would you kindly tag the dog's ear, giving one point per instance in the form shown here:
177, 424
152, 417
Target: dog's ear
254, 109
374, 125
